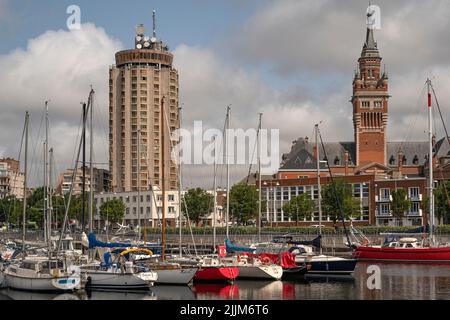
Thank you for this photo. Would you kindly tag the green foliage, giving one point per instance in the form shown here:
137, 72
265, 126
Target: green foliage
299, 207
198, 204
112, 210
343, 191
400, 203
441, 203
244, 202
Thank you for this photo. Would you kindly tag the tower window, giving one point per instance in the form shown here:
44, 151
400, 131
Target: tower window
378, 104
365, 104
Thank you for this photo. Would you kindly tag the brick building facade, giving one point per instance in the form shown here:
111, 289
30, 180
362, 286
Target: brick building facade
372, 165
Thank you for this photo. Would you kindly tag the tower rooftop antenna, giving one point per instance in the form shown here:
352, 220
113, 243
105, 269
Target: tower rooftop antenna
154, 23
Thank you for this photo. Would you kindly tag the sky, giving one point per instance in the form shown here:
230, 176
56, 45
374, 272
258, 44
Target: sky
292, 60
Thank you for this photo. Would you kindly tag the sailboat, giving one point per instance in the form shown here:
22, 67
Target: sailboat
321, 264
408, 248
39, 273
106, 275
169, 272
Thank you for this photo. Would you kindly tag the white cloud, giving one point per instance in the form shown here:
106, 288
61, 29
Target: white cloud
58, 66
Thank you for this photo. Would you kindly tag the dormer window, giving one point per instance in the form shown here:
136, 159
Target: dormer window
392, 160
416, 160
404, 160
337, 161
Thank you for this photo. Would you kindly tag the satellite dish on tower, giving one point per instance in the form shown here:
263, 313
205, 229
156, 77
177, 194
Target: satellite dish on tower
146, 38
146, 44
138, 38
139, 46
153, 39
140, 30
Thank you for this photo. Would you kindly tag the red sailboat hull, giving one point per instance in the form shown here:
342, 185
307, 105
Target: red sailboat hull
216, 274
437, 255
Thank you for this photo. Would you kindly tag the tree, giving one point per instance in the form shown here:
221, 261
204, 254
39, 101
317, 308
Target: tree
244, 202
344, 193
112, 210
197, 204
400, 203
299, 207
441, 203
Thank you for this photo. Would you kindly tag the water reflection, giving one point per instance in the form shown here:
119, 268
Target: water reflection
398, 281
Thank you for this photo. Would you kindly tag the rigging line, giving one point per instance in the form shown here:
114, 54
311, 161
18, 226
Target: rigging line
412, 124
104, 130
13, 204
253, 155
33, 156
448, 141
334, 189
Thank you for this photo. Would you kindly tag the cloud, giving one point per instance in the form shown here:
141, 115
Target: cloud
323, 36
58, 66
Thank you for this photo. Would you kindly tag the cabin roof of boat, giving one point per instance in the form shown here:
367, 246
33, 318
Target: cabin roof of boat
408, 240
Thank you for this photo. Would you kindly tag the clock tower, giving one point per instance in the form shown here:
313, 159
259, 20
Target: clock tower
370, 105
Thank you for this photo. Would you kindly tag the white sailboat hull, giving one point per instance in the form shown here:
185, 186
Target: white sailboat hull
175, 276
269, 272
119, 281
42, 284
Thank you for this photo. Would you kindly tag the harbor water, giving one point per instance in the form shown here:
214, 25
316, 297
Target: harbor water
397, 282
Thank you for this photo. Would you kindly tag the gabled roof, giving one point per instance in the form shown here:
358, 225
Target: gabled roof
366, 166
301, 156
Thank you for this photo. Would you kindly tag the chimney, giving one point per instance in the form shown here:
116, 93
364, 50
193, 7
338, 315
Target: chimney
346, 160
400, 162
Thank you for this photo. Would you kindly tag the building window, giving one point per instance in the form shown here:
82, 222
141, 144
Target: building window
377, 104
293, 192
365, 190
285, 193
415, 208
149, 198
159, 197
385, 194
300, 190
134, 210
385, 209
171, 209
357, 190
278, 192
365, 104
316, 192
171, 197
414, 193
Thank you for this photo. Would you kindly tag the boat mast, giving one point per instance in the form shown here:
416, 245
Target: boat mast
227, 217
46, 182
430, 162
180, 172
24, 209
91, 159
163, 181
259, 177
83, 186
215, 198
318, 182
50, 202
